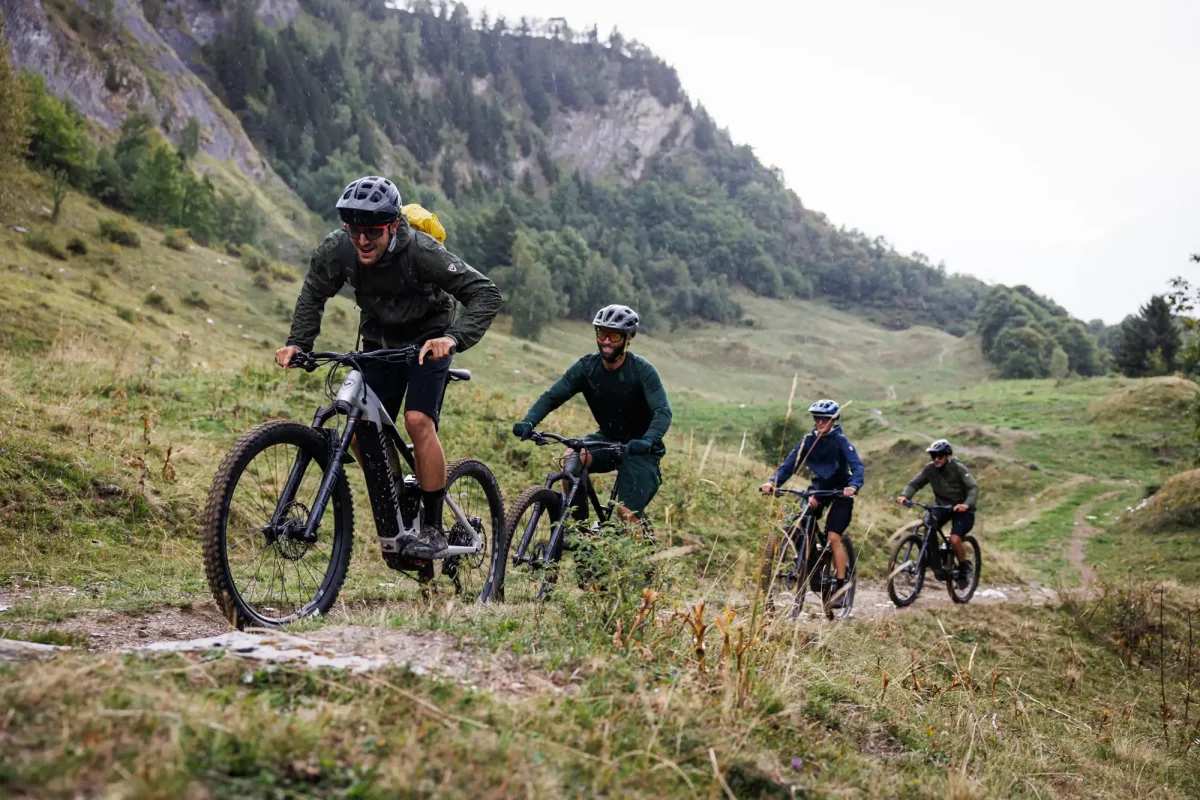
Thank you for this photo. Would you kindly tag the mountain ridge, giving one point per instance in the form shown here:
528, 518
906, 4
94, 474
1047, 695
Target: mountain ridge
580, 141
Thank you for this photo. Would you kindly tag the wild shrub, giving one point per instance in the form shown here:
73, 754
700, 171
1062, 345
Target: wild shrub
611, 564
119, 232
282, 272
253, 260
77, 246
176, 239
158, 303
45, 244
261, 281
195, 300
127, 314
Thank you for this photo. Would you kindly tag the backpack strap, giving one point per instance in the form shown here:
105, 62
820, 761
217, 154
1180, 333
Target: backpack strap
347, 260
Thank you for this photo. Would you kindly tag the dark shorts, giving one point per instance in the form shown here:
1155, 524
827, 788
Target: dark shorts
841, 509
419, 386
961, 524
638, 477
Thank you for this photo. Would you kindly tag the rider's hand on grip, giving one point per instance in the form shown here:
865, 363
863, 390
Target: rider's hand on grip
767, 488
522, 430
284, 355
638, 447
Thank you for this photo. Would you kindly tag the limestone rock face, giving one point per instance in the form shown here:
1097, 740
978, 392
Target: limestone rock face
621, 136
146, 71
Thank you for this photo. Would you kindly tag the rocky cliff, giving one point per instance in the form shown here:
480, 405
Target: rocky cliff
105, 77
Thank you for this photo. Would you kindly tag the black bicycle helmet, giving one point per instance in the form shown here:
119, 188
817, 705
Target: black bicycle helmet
940, 448
369, 201
617, 318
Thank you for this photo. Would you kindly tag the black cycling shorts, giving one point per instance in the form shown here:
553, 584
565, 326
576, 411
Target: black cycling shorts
961, 524
420, 386
841, 509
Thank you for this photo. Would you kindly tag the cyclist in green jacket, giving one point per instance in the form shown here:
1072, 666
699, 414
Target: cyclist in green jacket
406, 284
628, 401
953, 485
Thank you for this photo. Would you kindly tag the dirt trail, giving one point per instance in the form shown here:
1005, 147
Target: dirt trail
871, 599
1082, 531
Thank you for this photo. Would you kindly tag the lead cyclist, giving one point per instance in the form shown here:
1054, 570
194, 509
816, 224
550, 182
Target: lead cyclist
406, 284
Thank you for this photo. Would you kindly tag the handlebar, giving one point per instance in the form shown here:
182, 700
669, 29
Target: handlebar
310, 361
543, 438
911, 503
779, 492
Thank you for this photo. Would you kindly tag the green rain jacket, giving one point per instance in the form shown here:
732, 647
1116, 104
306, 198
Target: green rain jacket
407, 297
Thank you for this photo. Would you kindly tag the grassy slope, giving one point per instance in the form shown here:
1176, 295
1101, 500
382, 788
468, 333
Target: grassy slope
95, 513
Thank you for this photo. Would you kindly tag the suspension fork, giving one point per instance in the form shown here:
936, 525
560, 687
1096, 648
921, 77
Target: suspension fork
331, 477
558, 536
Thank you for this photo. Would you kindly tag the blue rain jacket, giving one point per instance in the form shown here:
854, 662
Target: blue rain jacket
832, 459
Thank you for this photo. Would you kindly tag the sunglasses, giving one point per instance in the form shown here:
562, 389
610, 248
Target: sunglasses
372, 232
603, 335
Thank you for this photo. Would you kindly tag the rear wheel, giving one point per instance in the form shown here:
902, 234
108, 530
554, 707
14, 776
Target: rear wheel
473, 488
529, 570
266, 574
905, 575
974, 566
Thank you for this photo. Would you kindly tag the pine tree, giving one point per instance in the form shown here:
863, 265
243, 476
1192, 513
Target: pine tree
1163, 328
189, 139
498, 236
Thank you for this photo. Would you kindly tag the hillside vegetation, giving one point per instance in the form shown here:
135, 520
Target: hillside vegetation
125, 377
564, 164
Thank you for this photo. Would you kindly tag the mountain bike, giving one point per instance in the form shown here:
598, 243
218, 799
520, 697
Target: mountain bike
542, 517
278, 526
805, 548
927, 547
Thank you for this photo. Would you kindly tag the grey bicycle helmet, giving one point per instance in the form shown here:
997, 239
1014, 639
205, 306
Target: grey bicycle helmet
825, 408
940, 448
369, 201
617, 318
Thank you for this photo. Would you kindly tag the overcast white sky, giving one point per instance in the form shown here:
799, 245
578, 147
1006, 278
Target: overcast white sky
1048, 143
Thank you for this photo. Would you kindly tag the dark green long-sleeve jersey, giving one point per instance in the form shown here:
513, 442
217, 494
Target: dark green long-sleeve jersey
628, 402
407, 297
952, 484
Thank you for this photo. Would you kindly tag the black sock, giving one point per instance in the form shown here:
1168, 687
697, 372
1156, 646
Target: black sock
431, 502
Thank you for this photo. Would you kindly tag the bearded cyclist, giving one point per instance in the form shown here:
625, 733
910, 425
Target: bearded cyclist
835, 464
954, 486
406, 284
627, 400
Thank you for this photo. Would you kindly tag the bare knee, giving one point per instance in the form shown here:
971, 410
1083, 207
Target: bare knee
419, 425
955, 540
584, 456
835, 539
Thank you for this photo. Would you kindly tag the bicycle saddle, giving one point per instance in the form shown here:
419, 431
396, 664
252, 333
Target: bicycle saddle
460, 374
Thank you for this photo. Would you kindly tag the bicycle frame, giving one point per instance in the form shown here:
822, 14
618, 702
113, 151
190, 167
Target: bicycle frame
578, 477
379, 442
933, 534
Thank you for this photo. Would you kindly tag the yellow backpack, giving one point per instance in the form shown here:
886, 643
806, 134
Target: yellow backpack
424, 220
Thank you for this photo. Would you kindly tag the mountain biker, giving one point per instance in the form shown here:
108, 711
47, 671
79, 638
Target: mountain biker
629, 404
406, 284
953, 486
835, 464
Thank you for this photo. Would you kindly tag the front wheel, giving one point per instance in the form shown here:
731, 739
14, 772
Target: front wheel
262, 568
974, 566
527, 569
906, 575
473, 488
